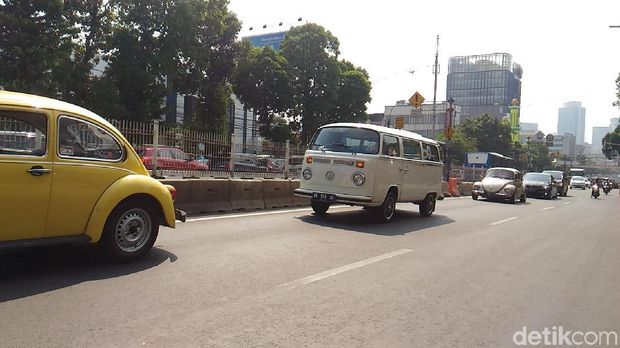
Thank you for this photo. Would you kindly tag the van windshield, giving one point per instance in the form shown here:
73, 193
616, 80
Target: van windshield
346, 139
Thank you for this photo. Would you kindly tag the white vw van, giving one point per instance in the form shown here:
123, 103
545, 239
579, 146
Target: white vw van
371, 166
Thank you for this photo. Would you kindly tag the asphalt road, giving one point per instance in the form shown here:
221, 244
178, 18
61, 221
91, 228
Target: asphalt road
469, 276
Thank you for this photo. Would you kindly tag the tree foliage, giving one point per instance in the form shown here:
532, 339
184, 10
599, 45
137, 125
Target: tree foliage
325, 90
263, 82
489, 133
611, 143
459, 145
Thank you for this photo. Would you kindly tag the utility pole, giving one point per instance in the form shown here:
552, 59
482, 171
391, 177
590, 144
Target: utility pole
435, 72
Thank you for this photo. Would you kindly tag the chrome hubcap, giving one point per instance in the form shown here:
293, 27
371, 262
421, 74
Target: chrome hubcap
133, 230
389, 208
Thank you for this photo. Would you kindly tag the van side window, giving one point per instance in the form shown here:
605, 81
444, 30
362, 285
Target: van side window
412, 149
391, 146
430, 152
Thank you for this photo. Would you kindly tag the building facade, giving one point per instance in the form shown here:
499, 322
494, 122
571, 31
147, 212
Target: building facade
484, 84
421, 120
528, 130
572, 120
564, 145
598, 133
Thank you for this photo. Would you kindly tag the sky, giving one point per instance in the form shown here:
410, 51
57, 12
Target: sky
566, 48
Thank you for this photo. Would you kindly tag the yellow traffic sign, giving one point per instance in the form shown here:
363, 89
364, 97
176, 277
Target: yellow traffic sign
400, 122
416, 100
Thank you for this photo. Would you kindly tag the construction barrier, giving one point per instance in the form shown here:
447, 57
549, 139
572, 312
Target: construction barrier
246, 194
210, 196
297, 201
453, 187
276, 193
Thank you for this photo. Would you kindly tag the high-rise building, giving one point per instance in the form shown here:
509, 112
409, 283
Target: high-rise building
484, 84
598, 133
564, 145
572, 120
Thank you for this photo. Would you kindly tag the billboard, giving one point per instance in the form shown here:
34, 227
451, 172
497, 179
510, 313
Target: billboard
274, 40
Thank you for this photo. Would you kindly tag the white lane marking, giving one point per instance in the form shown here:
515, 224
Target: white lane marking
548, 208
230, 216
332, 272
567, 203
504, 221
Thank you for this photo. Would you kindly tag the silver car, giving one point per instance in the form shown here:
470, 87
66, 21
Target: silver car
500, 184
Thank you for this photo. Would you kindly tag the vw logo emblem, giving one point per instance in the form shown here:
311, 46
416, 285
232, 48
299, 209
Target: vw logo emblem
330, 176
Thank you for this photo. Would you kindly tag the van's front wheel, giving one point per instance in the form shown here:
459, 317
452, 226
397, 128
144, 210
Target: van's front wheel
319, 207
385, 212
427, 206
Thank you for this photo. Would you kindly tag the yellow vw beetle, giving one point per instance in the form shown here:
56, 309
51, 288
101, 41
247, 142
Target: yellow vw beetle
67, 175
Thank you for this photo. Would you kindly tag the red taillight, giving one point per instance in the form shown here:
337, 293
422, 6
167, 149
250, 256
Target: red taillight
173, 193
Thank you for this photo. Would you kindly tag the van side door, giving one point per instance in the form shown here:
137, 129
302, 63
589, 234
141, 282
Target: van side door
413, 168
390, 167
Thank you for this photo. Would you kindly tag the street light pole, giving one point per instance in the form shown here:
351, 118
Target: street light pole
436, 68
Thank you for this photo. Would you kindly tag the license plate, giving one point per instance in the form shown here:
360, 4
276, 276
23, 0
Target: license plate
324, 197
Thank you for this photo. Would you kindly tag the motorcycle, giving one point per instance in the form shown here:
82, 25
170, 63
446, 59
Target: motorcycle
595, 191
606, 188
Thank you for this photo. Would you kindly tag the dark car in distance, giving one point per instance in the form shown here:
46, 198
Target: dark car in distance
541, 185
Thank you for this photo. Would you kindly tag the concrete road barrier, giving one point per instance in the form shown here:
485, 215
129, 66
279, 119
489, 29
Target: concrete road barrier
246, 194
276, 193
210, 195
465, 188
298, 201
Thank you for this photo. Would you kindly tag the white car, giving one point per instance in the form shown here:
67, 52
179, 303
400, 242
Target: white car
578, 182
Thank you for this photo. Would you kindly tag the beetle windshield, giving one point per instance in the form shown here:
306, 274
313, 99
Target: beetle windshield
346, 139
501, 173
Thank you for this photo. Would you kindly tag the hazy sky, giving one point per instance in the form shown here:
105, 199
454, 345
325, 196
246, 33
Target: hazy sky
566, 48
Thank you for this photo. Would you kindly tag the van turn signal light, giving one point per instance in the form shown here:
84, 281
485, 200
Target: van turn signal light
359, 164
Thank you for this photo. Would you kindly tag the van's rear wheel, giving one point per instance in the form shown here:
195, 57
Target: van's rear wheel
427, 206
319, 207
385, 212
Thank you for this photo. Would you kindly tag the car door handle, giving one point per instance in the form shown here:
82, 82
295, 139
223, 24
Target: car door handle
404, 169
38, 171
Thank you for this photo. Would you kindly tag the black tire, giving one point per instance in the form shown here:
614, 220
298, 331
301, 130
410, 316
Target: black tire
474, 196
385, 212
130, 231
548, 195
513, 198
319, 208
427, 206
523, 198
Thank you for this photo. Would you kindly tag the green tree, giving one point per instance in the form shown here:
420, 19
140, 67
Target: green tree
205, 33
35, 39
352, 96
489, 133
611, 143
280, 130
459, 145
539, 156
312, 52
263, 82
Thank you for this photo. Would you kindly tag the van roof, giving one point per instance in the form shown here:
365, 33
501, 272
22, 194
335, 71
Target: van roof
381, 129
38, 102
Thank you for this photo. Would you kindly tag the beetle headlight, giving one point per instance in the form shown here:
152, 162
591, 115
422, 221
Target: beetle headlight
359, 179
307, 173
508, 189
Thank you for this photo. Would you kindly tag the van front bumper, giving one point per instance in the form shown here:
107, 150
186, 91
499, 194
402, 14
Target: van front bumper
339, 198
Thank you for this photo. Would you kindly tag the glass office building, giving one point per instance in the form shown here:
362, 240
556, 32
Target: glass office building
485, 83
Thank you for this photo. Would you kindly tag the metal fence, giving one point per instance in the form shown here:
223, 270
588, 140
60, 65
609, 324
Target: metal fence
168, 151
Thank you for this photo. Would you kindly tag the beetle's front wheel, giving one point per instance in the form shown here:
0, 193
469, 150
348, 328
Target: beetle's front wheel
130, 232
